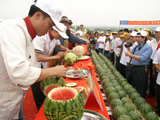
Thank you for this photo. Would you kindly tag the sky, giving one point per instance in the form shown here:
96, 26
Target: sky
91, 13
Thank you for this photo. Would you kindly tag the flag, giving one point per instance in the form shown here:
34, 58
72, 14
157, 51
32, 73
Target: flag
85, 31
128, 22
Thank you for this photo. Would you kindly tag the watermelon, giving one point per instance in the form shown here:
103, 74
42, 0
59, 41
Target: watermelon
134, 115
121, 94
127, 87
151, 116
125, 100
49, 83
115, 103
124, 117
118, 111
134, 96
138, 101
145, 108
78, 50
118, 88
64, 103
70, 58
131, 91
129, 107
79, 88
124, 83
113, 96
109, 90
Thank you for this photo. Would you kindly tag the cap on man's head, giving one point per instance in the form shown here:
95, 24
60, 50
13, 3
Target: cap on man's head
142, 33
65, 19
125, 35
107, 34
51, 8
147, 29
102, 31
134, 33
157, 29
114, 33
61, 30
137, 29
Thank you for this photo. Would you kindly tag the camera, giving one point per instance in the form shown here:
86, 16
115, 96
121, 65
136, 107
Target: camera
129, 44
92, 40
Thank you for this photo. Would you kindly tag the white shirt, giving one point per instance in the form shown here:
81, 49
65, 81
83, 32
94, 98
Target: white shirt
17, 71
80, 33
45, 46
131, 48
148, 41
101, 38
156, 60
107, 46
117, 51
153, 44
123, 56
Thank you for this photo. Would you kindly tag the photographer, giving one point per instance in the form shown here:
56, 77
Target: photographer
140, 60
130, 45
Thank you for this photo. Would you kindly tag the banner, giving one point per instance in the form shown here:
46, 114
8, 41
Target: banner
127, 22
85, 31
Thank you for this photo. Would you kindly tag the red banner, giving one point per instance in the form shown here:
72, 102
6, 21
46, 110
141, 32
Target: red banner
144, 22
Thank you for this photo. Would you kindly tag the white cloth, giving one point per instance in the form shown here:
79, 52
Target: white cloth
107, 46
17, 73
131, 48
156, 60
123, 56
148, 41
101, 38
153, 44
80, 33
45, 46
117, 51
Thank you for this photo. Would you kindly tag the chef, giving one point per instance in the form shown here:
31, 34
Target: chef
17, 56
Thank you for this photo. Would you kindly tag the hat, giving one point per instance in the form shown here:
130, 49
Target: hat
147, 32
114, 33
134, 33
125, 35
157, 29
65, 19
102, 31
61, 30
142, 33
137, 29
107, 34
147, 29
52, 9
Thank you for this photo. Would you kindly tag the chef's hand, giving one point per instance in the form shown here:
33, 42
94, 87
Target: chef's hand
67, 50
60, 54
59, 70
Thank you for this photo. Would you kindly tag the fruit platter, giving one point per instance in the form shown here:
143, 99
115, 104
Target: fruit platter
80, 73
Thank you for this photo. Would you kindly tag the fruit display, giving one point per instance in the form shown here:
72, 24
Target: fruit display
64, 103
79, 51
49, 83
70, 58
117, 89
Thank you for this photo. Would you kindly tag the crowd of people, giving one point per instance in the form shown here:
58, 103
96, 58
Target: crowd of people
45, 35
135, 54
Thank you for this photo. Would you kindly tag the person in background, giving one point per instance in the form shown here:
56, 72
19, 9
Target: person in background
92, 41
43, 46
110, 34
106, 48
126, 30
17, 56
96, 46
156, 64
128, 59
112, 43
153, 73
101, 41
122, 66
140, 60
81, 30
117, 50
130, 31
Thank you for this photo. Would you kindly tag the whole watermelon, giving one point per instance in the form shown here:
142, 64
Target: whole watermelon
151, 116
70, 58
145, 108
64, 103
138, 101
134, 115
118, 111
124, 117
49, 83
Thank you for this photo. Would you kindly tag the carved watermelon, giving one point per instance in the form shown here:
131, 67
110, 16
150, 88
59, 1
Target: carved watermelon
51, 82
64, 103
70, 58
78, 50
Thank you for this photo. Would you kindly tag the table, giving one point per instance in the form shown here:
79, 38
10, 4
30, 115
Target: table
81, 82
